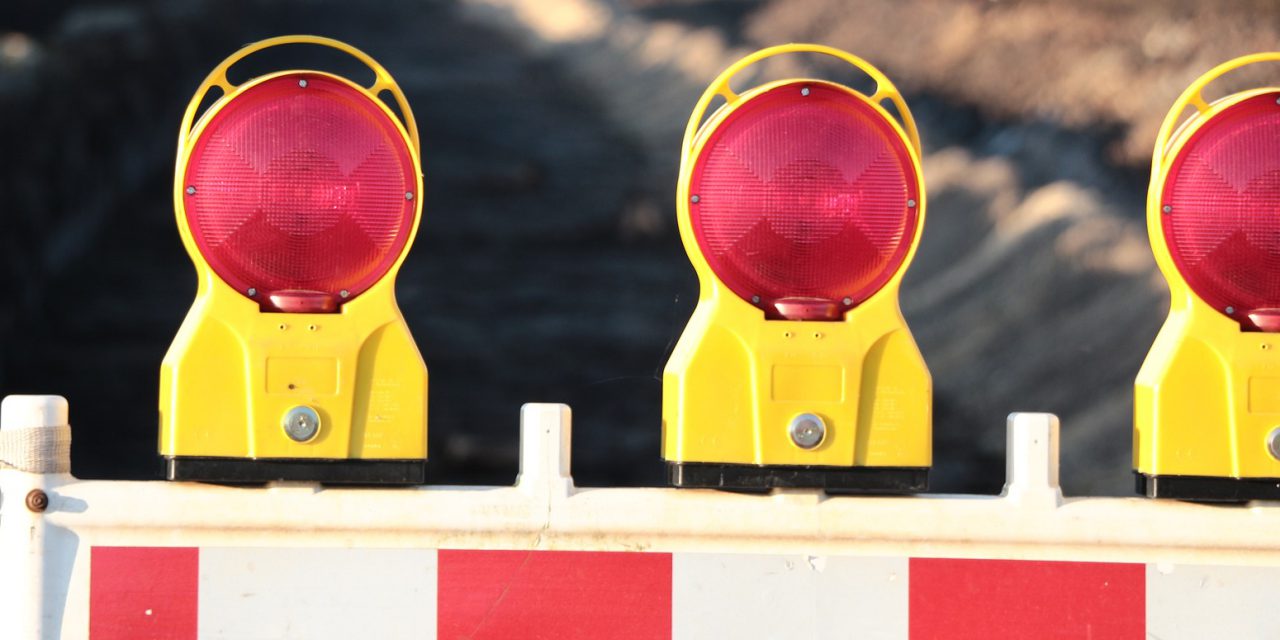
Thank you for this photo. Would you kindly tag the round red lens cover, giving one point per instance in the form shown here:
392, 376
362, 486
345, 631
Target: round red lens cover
300, 187
804, 191
1221, 210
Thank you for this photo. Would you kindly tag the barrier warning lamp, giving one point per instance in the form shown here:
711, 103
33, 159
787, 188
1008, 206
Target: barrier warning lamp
800, 204
1207, 399
298, 194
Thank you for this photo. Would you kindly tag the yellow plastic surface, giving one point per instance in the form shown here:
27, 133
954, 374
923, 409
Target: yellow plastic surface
736, 380
233, 371
1208, 393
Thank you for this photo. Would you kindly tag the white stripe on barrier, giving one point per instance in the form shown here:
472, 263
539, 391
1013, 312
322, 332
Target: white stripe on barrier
1197, 601
317, 593
794, 596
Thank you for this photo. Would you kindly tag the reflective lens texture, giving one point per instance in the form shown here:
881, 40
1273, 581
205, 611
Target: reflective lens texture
1221, 211
804, 193
301, 187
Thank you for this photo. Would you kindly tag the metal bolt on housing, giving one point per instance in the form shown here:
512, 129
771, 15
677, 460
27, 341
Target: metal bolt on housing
301, 423
807, 430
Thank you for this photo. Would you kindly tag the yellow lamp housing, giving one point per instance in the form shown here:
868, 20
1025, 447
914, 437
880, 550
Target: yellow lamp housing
298, 194
1207, 399
800, 203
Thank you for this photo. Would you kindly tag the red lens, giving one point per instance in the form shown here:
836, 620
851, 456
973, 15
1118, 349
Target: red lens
1221, 208
301, 188
804, 197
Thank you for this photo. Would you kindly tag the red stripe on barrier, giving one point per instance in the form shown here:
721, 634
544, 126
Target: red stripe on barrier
1022, 599
143, 592
553, 594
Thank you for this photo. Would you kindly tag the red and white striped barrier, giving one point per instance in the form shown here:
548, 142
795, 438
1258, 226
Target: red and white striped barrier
183, 593
106, 560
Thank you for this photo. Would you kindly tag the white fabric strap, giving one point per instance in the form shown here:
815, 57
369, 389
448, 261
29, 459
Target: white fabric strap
36, 449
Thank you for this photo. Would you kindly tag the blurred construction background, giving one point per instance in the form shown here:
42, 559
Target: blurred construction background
548, 267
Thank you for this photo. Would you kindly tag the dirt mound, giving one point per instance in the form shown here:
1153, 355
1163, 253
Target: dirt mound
548, 267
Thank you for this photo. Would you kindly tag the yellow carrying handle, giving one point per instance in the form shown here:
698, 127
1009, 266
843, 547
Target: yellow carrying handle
218, 78
1193, 97
884, 89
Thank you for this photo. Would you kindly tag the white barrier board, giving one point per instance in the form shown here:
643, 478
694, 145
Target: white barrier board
107, 560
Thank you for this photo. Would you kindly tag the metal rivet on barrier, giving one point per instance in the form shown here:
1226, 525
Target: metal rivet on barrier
37, 501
